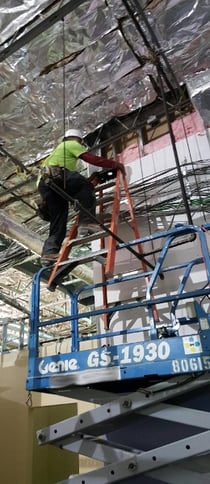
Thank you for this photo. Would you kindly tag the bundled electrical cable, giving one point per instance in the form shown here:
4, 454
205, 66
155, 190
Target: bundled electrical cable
14, 254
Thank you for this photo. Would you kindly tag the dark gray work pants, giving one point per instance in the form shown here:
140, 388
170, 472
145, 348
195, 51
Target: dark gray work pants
79, 188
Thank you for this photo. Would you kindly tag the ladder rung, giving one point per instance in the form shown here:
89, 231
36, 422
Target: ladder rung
88, 257
105, 199
104, 186
88, 238
101, 259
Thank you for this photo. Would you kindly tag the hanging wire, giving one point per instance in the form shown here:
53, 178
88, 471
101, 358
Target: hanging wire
160, 184
193, 168
182, 118
144, 195
64, 102
144, 191
157, 56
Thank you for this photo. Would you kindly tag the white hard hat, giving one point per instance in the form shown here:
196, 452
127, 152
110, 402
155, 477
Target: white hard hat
76, 133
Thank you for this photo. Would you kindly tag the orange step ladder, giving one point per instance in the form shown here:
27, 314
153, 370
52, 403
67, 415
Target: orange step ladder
105, 255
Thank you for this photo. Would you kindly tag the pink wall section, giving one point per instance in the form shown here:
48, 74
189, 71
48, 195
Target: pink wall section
189, 125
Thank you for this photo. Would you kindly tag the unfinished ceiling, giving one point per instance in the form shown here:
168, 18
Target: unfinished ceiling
80, 64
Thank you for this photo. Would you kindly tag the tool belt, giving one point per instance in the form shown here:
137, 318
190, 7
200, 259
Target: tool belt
56, 173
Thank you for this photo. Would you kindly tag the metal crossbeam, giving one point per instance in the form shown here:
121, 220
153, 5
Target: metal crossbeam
95, 421
79, 435
146, 461
95, 449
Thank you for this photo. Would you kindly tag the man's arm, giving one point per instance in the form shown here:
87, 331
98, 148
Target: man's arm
101, 161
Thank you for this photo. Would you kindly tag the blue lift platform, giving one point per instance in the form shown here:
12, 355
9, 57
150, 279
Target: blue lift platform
167, 361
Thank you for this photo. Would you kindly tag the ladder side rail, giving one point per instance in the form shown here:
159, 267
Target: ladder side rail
110, 261
64, 251
154, 317
104, 287
133, 220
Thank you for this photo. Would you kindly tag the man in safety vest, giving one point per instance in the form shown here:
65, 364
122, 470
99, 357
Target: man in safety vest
61, 164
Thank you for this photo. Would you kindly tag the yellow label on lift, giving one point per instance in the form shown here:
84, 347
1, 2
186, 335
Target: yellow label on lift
192, 344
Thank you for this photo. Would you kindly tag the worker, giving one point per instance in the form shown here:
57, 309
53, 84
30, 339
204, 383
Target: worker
62, 166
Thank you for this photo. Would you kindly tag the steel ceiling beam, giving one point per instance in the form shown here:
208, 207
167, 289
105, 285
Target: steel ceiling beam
11, 302
59, 14
118, 127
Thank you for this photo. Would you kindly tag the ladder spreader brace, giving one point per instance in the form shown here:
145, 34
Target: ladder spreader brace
106, 257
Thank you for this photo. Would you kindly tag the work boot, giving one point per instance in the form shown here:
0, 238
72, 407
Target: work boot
48, 259
88, 229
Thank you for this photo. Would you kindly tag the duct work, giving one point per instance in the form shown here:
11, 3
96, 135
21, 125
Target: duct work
107, 68
21, 234
199, 88
14, 304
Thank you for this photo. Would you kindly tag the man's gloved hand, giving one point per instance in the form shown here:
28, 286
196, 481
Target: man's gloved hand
120, 167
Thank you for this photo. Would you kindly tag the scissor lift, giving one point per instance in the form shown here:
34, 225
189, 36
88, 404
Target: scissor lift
162, 364
157, 447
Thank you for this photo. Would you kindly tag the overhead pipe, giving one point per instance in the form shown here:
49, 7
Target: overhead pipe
173, 144
28, 239
11, 302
